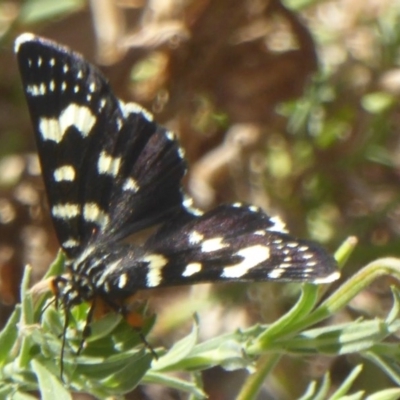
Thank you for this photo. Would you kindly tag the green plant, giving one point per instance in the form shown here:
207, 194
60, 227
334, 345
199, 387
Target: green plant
115, 360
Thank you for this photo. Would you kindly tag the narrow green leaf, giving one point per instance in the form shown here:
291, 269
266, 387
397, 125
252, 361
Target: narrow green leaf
324, 388
127, 378
41, 291
102, 367
346, 338
178, 351
377, 102
282, 326
26, 321
388, 364
310, 391
349, 289
25, 282
395, 310
347, 383
345, 250
35, 11
49, 385
9, 334
386, 394
57, 267
355, 396
179, 384
20, 396
5, 391
104, 326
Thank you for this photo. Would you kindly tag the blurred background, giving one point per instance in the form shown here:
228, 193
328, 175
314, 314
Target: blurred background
291, 105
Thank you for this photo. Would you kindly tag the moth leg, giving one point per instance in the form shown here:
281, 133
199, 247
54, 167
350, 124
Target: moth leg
136, 321
66, 322
87, 329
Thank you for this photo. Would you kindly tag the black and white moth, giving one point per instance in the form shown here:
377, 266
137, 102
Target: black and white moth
110, 171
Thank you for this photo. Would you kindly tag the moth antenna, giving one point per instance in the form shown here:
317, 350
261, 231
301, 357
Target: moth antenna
52, 301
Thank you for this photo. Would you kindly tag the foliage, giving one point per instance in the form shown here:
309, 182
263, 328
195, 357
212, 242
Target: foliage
115, 361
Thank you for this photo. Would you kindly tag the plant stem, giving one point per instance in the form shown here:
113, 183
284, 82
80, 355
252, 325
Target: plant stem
253, 384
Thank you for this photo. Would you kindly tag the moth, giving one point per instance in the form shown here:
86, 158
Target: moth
111, 171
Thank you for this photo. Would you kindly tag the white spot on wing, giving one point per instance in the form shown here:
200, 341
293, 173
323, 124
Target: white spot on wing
192, 269
195, 237
156, 262
33, 90
25, 37
70, 243
328, 279
170, 135
307, 256
188, 204
65, 211
213, 245
252, 256
50, 129
195, 211
278, 225
110, 268
130, 185
276, 273
181, 152
93, 213
64, 173
74, 115
311, 264
84, 255
122, 281
65, 68
108, 165
36, 90
134, 108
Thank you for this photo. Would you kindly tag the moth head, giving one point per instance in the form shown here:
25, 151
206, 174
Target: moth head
70, 291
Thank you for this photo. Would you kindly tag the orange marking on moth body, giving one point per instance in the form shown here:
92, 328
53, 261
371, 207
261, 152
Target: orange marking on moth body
53, 286
134, 319
101, 308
